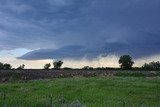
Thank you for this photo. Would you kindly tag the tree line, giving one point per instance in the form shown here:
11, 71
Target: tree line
6, 66
126, 63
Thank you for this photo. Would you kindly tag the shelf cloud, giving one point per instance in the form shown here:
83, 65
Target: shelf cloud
59, 29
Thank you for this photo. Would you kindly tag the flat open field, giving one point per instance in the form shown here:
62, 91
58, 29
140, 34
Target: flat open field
90, 92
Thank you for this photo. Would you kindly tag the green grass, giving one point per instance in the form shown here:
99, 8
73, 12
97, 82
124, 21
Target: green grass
130, 74
91, 92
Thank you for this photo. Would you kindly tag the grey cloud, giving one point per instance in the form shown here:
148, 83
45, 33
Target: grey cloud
12, 6
65, 52
102, 27
73, 52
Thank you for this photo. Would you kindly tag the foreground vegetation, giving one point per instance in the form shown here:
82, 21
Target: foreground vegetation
90, 92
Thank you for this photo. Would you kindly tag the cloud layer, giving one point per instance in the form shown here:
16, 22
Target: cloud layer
59, 29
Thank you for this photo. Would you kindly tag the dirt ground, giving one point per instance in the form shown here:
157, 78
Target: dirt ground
30, 74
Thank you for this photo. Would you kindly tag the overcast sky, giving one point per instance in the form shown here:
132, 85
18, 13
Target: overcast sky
93, 32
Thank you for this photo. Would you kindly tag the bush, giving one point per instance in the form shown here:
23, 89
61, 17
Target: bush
151, 66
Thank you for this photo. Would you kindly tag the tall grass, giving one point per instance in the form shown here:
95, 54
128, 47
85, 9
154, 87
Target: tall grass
82, 92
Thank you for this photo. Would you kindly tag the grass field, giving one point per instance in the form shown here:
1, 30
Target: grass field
90, 92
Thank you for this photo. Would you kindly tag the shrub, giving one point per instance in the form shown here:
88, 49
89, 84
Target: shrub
151, 66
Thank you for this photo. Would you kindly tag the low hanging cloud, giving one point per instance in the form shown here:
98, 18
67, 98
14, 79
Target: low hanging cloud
73, 52
59, 29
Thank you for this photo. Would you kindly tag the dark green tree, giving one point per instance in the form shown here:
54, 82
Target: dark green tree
126, 62
57, 64
7, 66
47, 66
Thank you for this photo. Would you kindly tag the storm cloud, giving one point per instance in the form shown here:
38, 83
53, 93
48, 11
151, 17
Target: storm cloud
57, 29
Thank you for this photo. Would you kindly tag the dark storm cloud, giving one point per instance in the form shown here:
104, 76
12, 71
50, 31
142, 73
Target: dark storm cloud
73, 52
97, 26
65, 52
